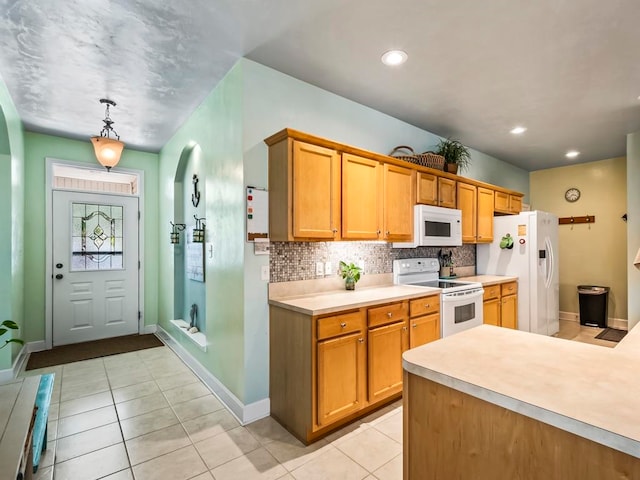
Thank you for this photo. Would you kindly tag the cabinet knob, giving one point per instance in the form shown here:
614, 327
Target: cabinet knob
427, 306
389, 314
361, 340
343, 324
388, 233
378, 232
415, 325
404, 329
335, 230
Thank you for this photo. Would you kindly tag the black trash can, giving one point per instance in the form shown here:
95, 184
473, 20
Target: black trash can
593, 305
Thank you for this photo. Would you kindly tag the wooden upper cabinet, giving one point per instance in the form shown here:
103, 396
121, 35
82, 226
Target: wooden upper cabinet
427, 192
484, 221
435, 190
467, 202
361, 200
304, 191
507, 203
316, 192
398, 199
446, 192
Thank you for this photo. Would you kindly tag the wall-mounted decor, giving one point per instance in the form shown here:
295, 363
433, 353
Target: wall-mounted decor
257, 213
198, 231
194, 258
176, 228
195, 196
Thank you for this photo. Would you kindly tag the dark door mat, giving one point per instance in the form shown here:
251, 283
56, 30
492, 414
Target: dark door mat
87, 350
612, 334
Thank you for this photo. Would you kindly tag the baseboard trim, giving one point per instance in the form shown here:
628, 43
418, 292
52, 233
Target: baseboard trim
150, 329
244, 413
9, 374
38, 346
619, 323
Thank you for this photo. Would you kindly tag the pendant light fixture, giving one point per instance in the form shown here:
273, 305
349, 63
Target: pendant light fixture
108, 150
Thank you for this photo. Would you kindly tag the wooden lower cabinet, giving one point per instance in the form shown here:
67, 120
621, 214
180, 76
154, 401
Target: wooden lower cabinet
326, 371
500, 305
386, 345
341, 377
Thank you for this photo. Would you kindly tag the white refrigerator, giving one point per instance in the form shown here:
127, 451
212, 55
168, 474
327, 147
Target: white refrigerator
534, 260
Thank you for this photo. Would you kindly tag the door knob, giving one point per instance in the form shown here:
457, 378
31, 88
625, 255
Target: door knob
58, 265
59, 276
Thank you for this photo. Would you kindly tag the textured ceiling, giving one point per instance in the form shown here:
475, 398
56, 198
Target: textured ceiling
567, 70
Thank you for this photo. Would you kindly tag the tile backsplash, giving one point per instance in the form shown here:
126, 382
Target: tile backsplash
292, 261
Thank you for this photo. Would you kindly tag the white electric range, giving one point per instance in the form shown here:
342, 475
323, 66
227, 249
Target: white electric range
460, 301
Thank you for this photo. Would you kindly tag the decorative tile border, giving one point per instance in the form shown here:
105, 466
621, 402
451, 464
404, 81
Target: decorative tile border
292, 261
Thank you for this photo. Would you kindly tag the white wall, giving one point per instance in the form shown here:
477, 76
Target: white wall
633, 225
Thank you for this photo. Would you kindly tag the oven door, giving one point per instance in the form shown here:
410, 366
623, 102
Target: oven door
460, 311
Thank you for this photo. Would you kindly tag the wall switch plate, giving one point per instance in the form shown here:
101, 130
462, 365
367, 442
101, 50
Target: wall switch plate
319, 269
264, 272
328, 268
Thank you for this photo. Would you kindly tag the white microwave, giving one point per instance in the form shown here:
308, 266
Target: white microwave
434, 227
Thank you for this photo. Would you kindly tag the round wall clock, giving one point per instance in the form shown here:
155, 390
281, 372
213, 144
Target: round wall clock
572, 194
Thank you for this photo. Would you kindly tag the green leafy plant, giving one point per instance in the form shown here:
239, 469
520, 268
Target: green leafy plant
454, 152
350, 272
5, 326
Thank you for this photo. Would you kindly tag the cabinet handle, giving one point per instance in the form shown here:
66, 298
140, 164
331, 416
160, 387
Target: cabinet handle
389, 314
404, 329
343, 324
361, 340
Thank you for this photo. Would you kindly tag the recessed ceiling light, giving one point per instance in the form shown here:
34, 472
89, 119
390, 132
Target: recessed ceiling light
572, 154
393, 58
518, 130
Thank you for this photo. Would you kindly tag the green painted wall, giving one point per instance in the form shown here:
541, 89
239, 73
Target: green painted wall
12, 197
216, 127
37, 148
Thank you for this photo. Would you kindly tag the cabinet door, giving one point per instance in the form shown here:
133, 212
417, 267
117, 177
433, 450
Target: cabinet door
427, 189
515, 204
398, 201
467, 203
446, 192
316, 191
361, 202
341, 377
491, 312
509, 311
384, 355
424, 330
501, 202
484, 222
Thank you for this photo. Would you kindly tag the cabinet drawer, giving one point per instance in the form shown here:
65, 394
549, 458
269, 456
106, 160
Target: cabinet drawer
424, 306
387, 314
339, 325
492, 291
509, 288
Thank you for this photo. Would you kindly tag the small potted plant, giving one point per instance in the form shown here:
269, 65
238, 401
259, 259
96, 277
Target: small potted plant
456, 155
350, 273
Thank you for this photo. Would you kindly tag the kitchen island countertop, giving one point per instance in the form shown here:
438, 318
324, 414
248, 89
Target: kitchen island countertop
588, 390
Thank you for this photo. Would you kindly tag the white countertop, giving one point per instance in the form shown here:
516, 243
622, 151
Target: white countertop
487, 280
331, 302
585, 389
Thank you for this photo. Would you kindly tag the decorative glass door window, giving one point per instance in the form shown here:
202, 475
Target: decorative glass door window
96, 237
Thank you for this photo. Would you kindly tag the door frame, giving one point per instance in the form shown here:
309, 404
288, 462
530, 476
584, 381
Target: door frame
50, 163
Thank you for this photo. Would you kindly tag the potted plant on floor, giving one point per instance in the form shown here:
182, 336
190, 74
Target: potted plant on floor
5, 326
350, 273
456, 155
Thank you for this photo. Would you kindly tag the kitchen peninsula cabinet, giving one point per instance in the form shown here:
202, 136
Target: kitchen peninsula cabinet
477, 205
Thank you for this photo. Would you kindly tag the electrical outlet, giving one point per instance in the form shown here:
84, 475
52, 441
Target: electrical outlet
328, 268
319, 269
264, 272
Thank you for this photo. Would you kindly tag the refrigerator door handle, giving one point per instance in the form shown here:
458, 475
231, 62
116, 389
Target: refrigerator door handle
550, 262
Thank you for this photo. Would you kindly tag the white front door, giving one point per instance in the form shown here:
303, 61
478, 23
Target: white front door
95, 266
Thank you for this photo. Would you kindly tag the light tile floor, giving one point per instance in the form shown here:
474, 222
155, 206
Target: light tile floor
145, 415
